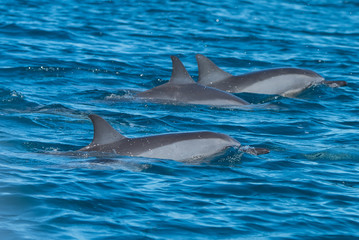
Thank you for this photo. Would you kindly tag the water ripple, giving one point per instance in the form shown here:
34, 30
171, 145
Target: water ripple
63, 61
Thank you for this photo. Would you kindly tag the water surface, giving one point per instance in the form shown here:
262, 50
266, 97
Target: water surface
64, 60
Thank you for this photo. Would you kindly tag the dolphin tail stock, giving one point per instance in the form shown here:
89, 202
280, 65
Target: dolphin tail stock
334, 84
254, 150
208, 71
104, 133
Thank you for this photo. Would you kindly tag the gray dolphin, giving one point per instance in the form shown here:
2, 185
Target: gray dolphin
176, 146
183, 89
281, 81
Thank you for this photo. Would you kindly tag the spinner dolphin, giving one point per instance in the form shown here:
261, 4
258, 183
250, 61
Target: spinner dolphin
175, 146
280, 81
182, 89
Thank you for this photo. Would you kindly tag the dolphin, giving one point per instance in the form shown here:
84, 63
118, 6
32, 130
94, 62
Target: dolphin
175, 146
181, 88
280, 81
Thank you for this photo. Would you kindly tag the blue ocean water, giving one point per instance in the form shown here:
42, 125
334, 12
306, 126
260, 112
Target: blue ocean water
61, 61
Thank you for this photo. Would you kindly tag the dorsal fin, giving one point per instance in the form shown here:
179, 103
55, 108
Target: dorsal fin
103, 132
208, 72
179, 72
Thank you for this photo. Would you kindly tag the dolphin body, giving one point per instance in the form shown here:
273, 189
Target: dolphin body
176, 146
280, 81
182, 89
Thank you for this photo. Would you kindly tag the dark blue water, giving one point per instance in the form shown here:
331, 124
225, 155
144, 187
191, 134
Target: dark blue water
62, 60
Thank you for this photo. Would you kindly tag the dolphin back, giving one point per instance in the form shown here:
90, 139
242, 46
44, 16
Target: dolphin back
104, 133
208, 72
179, 73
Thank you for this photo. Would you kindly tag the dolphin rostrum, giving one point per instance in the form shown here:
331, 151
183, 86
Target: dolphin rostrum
176, 146
183, 89
281, 81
